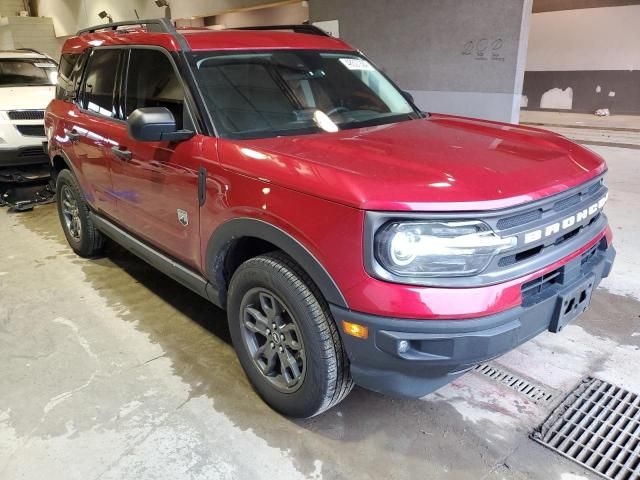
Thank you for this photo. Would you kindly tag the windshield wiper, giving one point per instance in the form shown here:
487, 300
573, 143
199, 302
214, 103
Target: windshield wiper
371, 122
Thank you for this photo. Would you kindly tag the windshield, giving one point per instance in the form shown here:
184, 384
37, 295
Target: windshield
273, 93
26, 72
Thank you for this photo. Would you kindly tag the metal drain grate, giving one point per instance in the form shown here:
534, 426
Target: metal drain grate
511, 380
597, 426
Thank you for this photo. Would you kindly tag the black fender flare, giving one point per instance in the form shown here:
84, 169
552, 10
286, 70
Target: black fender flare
59, 152
230, 231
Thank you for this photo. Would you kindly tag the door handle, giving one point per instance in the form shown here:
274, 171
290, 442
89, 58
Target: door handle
73, 135
122, 154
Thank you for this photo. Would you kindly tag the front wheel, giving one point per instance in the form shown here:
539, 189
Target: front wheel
285, 337
82, 235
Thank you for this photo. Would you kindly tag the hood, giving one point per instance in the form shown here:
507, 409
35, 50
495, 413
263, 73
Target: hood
26, 98
433, 164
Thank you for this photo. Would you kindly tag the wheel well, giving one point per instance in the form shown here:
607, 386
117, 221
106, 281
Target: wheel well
58, 164
240, 251
239, 239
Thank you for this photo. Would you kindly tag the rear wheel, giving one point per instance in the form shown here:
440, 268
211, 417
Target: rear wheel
285, 337
73, 211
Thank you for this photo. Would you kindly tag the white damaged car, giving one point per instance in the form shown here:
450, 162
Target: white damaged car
27, 85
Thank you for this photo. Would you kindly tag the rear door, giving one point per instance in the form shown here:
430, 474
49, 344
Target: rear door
157, 182
92, 125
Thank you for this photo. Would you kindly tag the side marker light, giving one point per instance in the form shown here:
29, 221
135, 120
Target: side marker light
355, 330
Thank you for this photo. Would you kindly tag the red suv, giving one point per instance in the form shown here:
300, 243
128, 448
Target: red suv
351, 237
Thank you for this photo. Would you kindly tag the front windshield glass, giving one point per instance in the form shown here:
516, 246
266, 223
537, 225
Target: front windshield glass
27, 72
272, 93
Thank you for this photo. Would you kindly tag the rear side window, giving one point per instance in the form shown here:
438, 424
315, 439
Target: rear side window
100, 82
69, 72
153, 82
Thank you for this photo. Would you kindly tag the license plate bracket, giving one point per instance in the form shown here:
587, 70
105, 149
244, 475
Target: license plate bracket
571, 303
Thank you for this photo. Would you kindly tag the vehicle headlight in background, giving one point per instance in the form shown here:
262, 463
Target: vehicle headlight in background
438, 248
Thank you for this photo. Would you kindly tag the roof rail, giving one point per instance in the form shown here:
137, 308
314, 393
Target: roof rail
303, 28
156, 25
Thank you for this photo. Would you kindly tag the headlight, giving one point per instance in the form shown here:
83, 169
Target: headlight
438, 248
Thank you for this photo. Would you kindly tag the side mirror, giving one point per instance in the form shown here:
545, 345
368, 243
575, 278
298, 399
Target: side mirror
155, 124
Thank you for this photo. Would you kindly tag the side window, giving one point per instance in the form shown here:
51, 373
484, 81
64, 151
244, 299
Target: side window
69, 75
76, 74
100, 82
153, 82
64, 87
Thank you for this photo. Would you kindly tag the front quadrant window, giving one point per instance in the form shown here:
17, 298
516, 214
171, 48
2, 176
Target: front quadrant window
153, 82
271, 93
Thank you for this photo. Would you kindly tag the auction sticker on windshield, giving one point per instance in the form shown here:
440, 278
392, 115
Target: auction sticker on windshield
356, 64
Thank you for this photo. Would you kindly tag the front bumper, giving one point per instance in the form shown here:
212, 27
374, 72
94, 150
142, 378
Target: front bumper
19, 148
21, 156
441, 350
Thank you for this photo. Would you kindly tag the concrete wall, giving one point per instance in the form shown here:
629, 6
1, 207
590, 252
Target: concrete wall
591, 55
71, 15
29, 32
207, 8
555, 5
277, 15
463, 57
11, 8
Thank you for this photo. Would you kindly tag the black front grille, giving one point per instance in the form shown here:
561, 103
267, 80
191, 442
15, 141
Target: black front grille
552, 207
32, 152
538, 217
521, 219
540, 288
26, 114
520, 256
568, 236
31, 130
567, 202
594, 188
589, 254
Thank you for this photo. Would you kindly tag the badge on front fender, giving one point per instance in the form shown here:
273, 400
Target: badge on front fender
183, 217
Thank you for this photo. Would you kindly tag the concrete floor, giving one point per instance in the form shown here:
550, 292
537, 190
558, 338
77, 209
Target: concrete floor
109, 370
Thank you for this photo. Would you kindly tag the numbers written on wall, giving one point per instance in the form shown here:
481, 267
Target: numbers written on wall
484, 49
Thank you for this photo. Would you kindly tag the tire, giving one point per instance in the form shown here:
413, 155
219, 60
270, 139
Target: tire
73, 211
317, 355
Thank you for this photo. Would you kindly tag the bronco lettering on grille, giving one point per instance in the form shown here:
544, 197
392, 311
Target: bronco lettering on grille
566, 223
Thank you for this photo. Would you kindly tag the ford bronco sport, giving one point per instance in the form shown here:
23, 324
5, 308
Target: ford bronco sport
351, 237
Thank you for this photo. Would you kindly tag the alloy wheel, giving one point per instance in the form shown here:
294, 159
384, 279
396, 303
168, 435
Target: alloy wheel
71, 213
272, 337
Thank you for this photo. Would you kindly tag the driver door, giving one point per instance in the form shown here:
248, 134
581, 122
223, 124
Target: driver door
156, 183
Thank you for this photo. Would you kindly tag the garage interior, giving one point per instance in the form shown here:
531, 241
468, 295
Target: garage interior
110, 370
